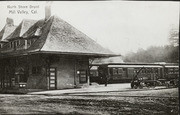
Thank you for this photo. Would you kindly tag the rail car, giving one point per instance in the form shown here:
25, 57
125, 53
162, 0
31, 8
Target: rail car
146, 74
171, 75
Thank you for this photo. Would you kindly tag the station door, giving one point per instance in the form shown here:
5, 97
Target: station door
52, 78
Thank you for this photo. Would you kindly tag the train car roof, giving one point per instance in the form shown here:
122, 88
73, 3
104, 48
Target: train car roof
94, 68
169, 66
136, 66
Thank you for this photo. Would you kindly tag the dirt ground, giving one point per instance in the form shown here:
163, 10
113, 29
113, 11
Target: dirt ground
132, 102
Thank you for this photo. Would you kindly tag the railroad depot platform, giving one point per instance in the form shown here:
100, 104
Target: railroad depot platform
94, 88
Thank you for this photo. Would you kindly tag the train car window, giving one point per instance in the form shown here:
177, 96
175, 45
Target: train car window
115, 71
143, 71
97, 74
147, 70
94, 73
170, 70
120, 70
150, 70
130, 70
155, 70
124, 69
91, 72
166, 70
136, 70
111, 71
176, 70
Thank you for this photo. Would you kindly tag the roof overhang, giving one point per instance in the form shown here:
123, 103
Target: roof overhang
136, 66
4, 41
93, 55
21, 53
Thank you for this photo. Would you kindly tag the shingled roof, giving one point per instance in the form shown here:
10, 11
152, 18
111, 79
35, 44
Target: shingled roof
34, 30
59, 36
6, 31
21, 29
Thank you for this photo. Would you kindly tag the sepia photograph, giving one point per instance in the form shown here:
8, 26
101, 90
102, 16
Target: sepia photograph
89, 57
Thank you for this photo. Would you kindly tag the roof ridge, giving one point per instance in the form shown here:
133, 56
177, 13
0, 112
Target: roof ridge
5, 30
76, 29
18, 27
38, 24
48, 31
2, 31
29, 20
22, 25
21, 28
44, 25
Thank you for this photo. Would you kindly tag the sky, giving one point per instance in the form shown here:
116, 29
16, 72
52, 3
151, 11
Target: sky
121, 26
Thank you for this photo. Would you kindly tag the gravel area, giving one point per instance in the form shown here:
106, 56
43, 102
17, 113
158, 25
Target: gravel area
122, 102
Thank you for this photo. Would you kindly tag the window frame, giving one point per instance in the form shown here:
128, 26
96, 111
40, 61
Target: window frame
84, 73
36, 70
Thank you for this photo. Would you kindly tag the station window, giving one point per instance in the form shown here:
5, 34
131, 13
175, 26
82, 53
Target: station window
36, 70
82, 76
22, 78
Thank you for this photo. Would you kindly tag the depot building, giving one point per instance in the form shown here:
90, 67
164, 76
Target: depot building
45, 54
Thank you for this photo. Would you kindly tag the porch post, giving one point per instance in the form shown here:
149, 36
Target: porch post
88, 73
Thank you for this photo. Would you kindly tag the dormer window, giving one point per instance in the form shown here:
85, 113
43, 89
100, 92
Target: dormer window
14, 44
11, 44
17, 42
29, 42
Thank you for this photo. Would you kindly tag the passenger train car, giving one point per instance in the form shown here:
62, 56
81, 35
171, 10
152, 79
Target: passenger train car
149, 74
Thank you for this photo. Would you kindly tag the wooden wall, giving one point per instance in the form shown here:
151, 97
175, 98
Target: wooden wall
66, 69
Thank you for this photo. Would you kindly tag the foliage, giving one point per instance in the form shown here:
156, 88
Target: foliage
168, 53
174, 36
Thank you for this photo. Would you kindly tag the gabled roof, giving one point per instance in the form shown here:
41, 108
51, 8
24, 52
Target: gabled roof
59, 36
21, 29
6, 31
34, 30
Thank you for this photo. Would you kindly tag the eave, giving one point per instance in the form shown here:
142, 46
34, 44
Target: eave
21, 53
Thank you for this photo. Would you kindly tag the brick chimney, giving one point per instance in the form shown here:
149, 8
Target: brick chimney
9, 21
47, 10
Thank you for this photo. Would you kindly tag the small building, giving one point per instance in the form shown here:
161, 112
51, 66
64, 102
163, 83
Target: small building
46, 54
